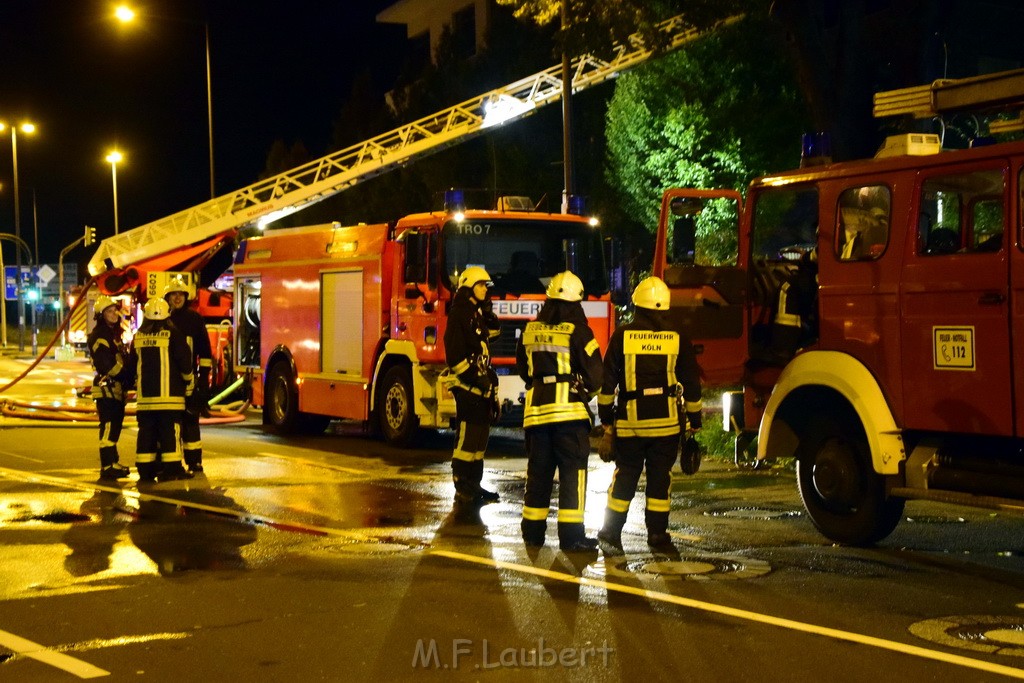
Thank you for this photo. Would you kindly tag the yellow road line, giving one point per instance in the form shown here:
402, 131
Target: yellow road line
39, 653
745, 615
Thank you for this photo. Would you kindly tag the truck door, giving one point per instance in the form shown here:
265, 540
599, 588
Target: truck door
696, 254
954, 293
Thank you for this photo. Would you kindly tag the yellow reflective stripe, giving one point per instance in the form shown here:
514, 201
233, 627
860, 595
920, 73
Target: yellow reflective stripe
616, 505
645, 432
781, 316
461, 367
591, 347
535, 514
694, 406
192, 445
570, 516
658, 504
604, 399
206, 362
145, 457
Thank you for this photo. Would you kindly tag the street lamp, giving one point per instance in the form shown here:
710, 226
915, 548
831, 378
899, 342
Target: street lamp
114, 158
126, 15
28, 129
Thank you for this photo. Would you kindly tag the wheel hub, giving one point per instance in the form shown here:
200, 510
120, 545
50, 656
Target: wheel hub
836, 475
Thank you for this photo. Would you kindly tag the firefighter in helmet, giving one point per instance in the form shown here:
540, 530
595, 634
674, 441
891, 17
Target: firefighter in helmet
165, 379
114, 363
560, 362
472, 381
795, 323
186, 319
646, 362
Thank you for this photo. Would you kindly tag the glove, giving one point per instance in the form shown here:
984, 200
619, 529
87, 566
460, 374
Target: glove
482, 382
495, 410
694, 420
690, 454
606, 446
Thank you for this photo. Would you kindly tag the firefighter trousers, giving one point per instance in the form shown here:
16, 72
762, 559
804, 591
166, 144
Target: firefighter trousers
565, 447
191, 441
111, 414
473, 413
632, 456
159, 441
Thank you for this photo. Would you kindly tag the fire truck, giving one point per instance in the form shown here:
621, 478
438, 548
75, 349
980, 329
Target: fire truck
906, 379
348, 321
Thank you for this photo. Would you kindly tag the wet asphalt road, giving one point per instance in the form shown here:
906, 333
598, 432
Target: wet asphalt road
340, 558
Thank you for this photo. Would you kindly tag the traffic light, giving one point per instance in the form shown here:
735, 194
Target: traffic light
90, 235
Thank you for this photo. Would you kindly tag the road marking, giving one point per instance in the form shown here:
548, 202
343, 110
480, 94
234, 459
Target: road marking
20, 457
312, 463
39, 653
745, 615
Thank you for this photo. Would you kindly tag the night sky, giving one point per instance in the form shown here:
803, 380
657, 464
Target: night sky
280, 70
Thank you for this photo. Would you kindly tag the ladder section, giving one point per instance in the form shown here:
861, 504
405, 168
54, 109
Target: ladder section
990, 91
273, 198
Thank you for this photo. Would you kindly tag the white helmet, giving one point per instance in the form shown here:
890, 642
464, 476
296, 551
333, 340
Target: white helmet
566, 287
652, 293
156, 309
474, 275
104, 302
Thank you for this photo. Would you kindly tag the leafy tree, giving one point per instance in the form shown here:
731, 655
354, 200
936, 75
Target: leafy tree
713, 114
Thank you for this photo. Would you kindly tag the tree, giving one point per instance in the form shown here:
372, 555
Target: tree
714, 114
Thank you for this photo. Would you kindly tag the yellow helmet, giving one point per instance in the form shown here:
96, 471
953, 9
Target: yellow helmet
652, 293
474, 275
104, 302
157, 309
178, 284
566, 287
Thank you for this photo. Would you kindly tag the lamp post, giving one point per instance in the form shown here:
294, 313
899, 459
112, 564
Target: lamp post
115, 157
126, 15
28, 129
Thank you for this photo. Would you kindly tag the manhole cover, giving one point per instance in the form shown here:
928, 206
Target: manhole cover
383, 548
935, 519
1001, 635
689, 567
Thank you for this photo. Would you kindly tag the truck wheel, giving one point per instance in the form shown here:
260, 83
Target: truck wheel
395, 411
281, 409
844, 497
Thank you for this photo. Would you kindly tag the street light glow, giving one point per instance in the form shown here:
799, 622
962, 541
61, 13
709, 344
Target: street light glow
114, 157
124, 13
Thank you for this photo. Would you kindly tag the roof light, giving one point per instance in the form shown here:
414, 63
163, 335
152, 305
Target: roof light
454, 201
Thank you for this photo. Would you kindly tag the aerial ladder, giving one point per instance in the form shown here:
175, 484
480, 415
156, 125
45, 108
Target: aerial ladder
188, 239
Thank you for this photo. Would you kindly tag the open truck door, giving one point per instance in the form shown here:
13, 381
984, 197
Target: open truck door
697, 254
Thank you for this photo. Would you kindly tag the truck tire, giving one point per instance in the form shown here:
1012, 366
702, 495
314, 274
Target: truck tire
842, 494
395, 412
281, 411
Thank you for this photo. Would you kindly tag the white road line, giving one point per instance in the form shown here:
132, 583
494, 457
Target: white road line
39, 653
745, 615
313, 463
20, 457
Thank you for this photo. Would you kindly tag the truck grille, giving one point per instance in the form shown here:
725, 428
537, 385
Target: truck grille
504, 346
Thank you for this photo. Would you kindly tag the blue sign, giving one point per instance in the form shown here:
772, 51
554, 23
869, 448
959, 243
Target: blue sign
48, 288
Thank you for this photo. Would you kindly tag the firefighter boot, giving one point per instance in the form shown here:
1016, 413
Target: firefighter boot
147, 471
194, 460
657, 530
483, 495
465, 485
572, 537
110, 468
534, 531
610, 535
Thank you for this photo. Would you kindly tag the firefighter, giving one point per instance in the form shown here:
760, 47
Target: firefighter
114, 364
472, 381
192, 325
560, 362
646, 362
795, 324
165, 379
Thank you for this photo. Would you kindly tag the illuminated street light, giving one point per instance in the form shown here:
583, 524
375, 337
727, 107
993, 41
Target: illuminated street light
125, 15
114, 158
26, 128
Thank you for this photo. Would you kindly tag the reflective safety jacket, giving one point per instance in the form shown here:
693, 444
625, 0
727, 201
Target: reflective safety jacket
560, 362
194, 328
112, 361
471, 326
165, 366
643, 368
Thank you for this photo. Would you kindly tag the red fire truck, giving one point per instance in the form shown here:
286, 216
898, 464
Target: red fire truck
347, 321
907, 385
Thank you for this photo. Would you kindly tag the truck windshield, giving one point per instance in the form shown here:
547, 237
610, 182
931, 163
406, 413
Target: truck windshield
522, 256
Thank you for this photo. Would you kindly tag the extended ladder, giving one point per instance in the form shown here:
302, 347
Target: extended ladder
275, 197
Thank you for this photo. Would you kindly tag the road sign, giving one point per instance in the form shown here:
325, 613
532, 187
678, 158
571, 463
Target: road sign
44, 274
